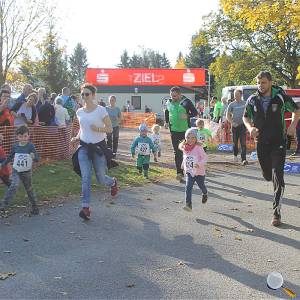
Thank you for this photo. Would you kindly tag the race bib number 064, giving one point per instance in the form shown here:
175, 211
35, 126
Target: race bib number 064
190, 162
22, 162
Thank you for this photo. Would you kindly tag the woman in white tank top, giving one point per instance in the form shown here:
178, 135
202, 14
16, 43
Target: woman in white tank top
94, 124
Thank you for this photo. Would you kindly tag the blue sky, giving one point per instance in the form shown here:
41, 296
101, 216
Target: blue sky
107, 27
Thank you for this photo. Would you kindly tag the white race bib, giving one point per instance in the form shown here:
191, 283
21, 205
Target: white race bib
190, 162
22, 162
143, 149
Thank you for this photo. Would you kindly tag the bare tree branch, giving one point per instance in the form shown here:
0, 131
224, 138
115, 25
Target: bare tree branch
20, 23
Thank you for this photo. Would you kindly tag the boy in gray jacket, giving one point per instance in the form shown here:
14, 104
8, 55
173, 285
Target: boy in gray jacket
22, 153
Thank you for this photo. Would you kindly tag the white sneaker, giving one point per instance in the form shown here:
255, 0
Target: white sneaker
244, 163
235, 159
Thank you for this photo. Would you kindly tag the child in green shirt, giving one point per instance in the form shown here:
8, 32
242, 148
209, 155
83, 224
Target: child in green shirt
203, 134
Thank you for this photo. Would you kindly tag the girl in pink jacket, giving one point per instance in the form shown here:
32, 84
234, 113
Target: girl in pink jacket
194, 159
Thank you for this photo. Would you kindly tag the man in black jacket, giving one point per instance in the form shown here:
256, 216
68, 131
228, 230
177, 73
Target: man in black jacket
178, 112
264, 118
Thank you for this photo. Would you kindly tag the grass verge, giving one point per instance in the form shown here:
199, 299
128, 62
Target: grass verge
57, 180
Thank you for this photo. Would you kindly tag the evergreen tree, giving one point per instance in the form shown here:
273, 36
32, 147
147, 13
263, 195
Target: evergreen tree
54, 70
125, 60
136, 61
200, 56
78, 64
147, 59
165, 63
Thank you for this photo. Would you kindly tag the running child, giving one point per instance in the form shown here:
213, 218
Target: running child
22, 154
203, 134
194, 159
155, 137
143, 145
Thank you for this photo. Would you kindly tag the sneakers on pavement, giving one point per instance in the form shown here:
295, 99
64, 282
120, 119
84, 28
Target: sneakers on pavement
204, 198
85, 213
276, 220
245, 163
187, 208
114, 188
34, 210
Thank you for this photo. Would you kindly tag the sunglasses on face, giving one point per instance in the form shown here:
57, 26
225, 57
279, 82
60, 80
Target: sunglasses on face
85, 94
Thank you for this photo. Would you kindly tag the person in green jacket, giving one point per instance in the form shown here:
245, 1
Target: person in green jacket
217, 114
178, 112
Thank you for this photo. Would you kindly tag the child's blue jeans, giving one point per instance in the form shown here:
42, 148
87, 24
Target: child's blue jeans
190, 180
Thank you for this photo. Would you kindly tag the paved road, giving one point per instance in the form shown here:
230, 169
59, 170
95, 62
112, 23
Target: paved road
146, 246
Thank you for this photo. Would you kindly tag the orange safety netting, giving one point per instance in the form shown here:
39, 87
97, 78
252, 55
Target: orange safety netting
134, 119
51, 142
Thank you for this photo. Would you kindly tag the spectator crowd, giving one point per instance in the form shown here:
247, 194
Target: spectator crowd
35, 107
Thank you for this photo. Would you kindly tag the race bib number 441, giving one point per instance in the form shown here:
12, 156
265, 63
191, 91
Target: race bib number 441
143, 149
22, 162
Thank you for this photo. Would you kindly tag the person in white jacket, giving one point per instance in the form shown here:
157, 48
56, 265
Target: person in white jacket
61, 113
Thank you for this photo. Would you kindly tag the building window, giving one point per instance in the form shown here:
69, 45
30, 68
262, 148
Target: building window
136, 101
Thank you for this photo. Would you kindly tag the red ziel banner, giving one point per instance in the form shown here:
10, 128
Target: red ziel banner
150, 77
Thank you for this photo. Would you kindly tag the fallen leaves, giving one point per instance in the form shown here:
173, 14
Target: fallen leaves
217, 232
130, 285
63, 293
237, 238
6, 275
